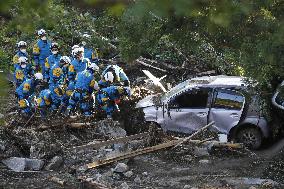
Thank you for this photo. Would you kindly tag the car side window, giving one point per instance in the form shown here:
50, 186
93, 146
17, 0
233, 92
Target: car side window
191, 99
280, 96
228, 100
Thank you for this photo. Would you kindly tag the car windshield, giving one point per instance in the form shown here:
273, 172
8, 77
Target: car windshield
175, 89
181, 86
280, 97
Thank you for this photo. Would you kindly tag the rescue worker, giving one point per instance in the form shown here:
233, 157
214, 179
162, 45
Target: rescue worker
72, 57
120, 78
23, 70
84, 87
57, 93
109, 98
22, 52
41, 51
49, 101
25, 91
89, 53
78, 65
57, 76
43, 102
51, 60
107, 80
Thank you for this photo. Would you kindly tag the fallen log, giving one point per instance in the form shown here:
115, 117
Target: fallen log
148, 65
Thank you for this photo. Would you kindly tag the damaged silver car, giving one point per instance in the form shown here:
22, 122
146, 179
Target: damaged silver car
198, 101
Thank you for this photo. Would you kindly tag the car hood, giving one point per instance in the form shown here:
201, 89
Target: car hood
146, 102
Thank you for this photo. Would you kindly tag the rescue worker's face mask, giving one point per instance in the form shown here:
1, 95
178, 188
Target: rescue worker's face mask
23, 65
23, 50
84, 43
80, 56
54, 51
43, 38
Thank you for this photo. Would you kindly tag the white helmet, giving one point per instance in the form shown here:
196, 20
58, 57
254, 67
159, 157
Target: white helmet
21, 44
39, 76
77, 51
75, 46
22, 59
109, 77
94, 67
41, 32
66, 59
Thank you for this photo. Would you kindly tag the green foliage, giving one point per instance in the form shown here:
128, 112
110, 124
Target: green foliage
234, 37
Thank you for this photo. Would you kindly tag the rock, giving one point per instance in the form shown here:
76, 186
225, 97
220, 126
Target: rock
23, 164
128, 174
187, 187
137, 180
200, 152
1, 116
121, 168
54, 163
250, 181
204, 161
110, 128
252, 187
145, 174
124, 186
2, 146
193, 188
116, 176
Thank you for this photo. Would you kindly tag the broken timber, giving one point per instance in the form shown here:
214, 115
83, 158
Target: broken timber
145, 150
112, 141
132, 154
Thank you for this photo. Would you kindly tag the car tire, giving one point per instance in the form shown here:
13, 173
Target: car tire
251, 137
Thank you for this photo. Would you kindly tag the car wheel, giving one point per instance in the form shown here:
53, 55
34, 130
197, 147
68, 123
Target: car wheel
250, 137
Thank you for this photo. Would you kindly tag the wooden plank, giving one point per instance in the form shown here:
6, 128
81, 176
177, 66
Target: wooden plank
112, 141
132, 154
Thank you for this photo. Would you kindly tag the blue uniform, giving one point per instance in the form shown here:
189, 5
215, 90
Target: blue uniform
56, 75
56, 98
119, 76
24, 94
107, 99
21, 74
82, 94
68, 93
49, 63
41, 51
44, 101
76, 67
17, 56
91, 54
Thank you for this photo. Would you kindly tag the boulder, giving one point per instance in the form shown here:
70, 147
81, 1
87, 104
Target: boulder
124, 185
137, 180
121, 168
128, 174
110, 128
23, 164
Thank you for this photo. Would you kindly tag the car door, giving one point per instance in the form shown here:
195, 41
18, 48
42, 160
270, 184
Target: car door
226, 110
188, 111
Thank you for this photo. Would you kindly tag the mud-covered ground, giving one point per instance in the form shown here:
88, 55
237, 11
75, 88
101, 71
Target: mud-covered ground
187, 166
